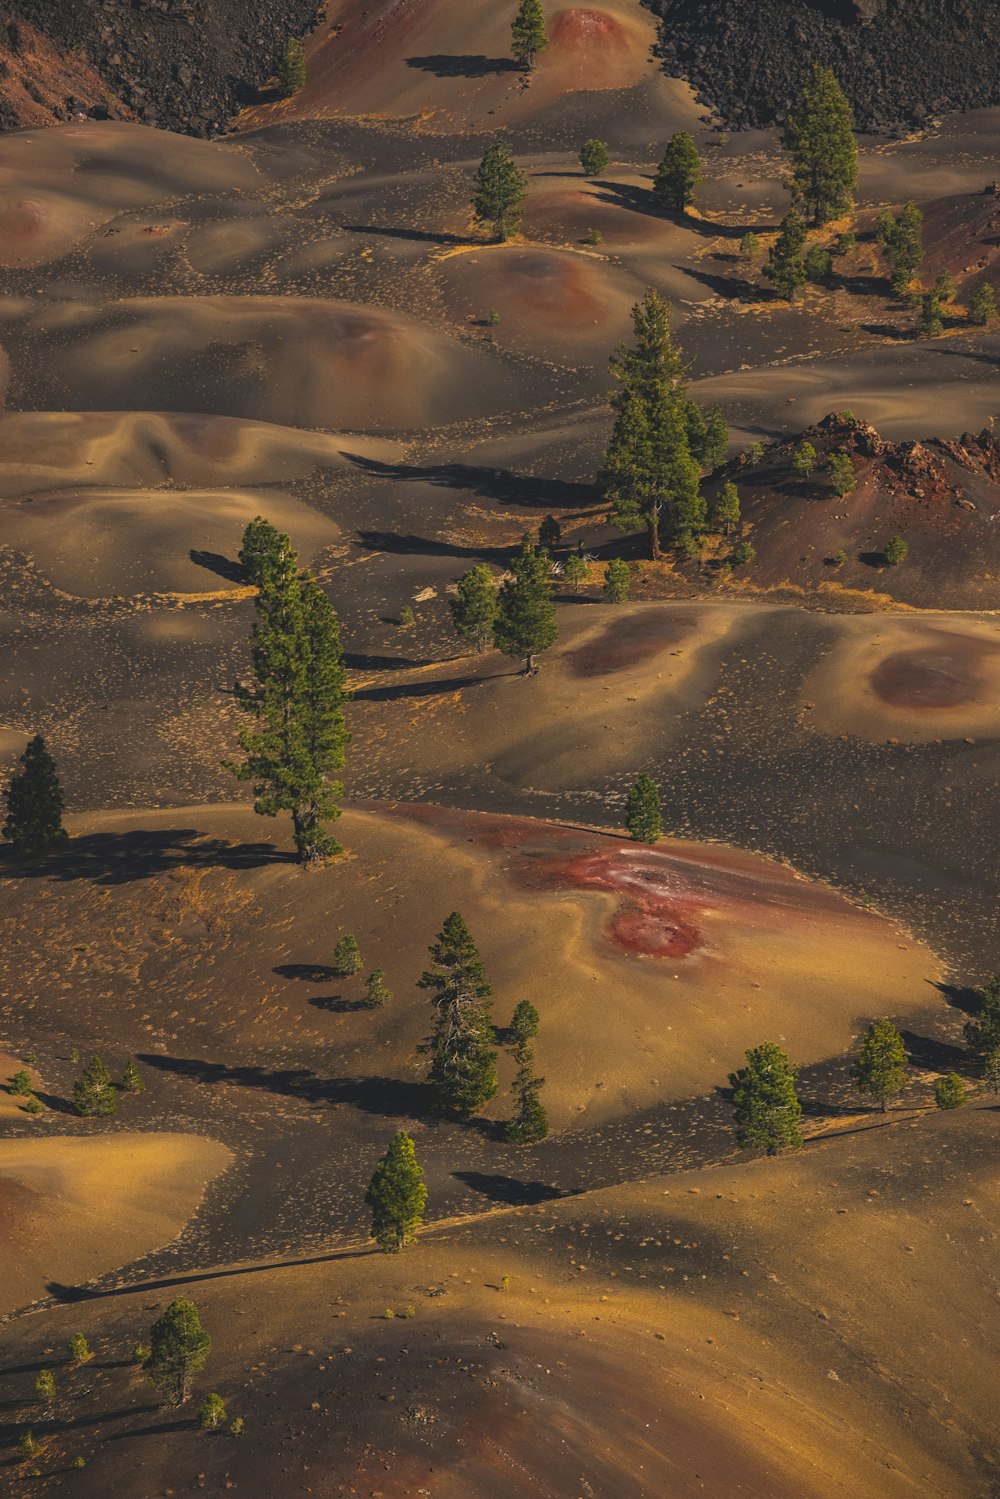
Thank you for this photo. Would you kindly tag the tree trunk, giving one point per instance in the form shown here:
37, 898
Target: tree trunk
654, 536
529, 665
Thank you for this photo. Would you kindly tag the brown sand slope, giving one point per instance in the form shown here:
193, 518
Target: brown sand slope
76, 1208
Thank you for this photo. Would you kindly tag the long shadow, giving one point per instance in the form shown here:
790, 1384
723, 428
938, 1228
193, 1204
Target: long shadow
71, 1294
389, 1096
359, 661
423, 689
960, 997
470, 65
216, 563
508, 1189
142, 854
309, 973
938, 1056
734, 288
335, 1005
397, 544
55, 1104
421, 236
497, 484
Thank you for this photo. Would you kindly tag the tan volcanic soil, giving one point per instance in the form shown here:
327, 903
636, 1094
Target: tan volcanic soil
77, 1208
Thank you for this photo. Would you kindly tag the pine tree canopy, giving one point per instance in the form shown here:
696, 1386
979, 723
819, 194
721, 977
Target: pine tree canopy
880, 1068
786, 268
397, 1196
292, 70
679, 173
824, 151
178, 1347
33, 825
463, 1063
474, 607
765, 1102
642, 815
526, 618
982, 1033
528, 37
500, 190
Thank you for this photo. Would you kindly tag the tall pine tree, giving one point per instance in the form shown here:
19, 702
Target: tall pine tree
529, 1122
767, 1108
679, 173
298, 738
528, 37
178, 1348
397, 1196
526, 618
500, 190
474, 607
880, 1067
786, 267
33, 825
824, 152
463, 1062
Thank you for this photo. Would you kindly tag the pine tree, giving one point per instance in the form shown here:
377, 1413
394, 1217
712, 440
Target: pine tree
132, 1078
902, 241
880, 1068
593, 157
528, 36
804, 458
617, 581
764, 1098
575, 569
474, 607
79, 1349
982, 1033
642, 812
463, 1063
397, 1196
526, 618
529, 1123
377, 994
297, 738
212, 1413
649, 474
347, 956
713, 448
20, 1084
524, 1022
292, 69
824, 151
178, 1347
785, 268
991, 1069
500, 190
45, 1386
678, 174
34, 804
94, 1093
749, 247
263, 546
841, 472
896, 551
949, 1092
726, 514
549, 533
983, 307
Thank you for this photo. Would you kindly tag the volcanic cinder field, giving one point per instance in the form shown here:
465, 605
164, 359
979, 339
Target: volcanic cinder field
298, 319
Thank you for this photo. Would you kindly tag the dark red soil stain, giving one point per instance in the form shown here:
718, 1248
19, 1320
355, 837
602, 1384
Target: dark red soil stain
654, 916
588, 29
627, 643
936, 677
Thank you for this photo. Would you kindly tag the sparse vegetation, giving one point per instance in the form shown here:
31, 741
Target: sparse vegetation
463, 1063
840, 471
525, 623
678, 174
474, 607
79, 1349
983, 306
407, 617
528, 35
880, 1068
524, 1023
896, 551
549, 533
397, 1196
804, 458
212, 1413
785, 267
949, 1092
902, 242
529, 1123
94, 1093
377, 994
499, 192
726, 513
178, 1349
982, 1032
347, 956
575, 569
33, 825
132, 1080
766, 1105
744, 553
643, 816
750, 247
20, 1084
617, 581
820, 137
45, 1386
593, 157
292, 72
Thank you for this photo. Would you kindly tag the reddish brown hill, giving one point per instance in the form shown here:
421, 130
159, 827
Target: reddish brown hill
40, 84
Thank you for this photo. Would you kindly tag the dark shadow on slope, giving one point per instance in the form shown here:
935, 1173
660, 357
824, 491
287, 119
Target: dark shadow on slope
470, 65
142, 854
497, 484
960, 997
70, 1294
389, 1096
310, 973
421, 236
508, 1189
224, 567
423, 546
931, 1055
423, 689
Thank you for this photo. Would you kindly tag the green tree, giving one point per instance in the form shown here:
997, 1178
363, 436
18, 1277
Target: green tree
132, 1078
500, 189
20, 1084
991, 1069
982, 1033
841, 472
549, 533
474, 607
765, 1102
529, 1122
902, 241
526, 618
642, 811
818, 263
377, 994
949, 1092
617, 581
27, 1447
34, 804
708, 435
524, 1022
983, 307
347, 956
820, 137
880, 1068
45, 1386
744, 553
297, 738
527, 33
726, 513
463, 1062
79, 1349
263, 546
575, 569
785, 267
397, 1196
593, 157
896, 551
178, 1348
649, 473
749, 247
804, 459
679, 173
94, 1093
212, 1413
292, 68
931, 321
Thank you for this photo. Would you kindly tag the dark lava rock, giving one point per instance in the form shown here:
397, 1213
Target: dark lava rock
899, 61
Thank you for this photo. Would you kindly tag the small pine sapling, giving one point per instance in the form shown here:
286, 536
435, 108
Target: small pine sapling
80, 1349
896, 551
377, 995
617, 581
524, 1024
643, 817
20, 1084
347, 956
212, 1413
949, 1092
593, 157
45, 1386
132, 1081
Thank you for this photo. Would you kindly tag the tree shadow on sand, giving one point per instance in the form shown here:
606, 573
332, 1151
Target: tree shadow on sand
509, 1190
223, 567
497, 484
142, 854
389, 1096
931, 1055
472, 65
420, 236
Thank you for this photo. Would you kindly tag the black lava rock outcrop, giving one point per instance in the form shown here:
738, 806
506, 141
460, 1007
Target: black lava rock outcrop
899, 61
185, 65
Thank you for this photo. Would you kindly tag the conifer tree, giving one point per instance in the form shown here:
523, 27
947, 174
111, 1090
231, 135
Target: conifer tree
714, 444
726, 514
474, 607
377, 994
649, 474
593, 157
500, 190
804, 458
749, 247
79, 1349
991, 1069
785, 268
983, 307
347, 955
824, 151
292, 69
880, 1068
33, 825
178, 1347
902, 241
678, 174
45, 1386
766, 1104
617, 581
529, 1123
526, 618
642, 813
949, 1092
20, 1084
463, 1063
524, 1022
397, 1196
575, 569
132, 1078
549, 533
212, 1413
94, 1094
982, 1033
528, 35
841, 472
263, 546
297, 738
